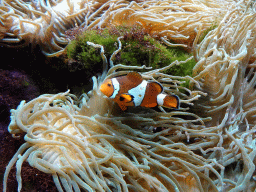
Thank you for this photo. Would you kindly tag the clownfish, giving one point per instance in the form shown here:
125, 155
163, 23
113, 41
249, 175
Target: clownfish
132, 90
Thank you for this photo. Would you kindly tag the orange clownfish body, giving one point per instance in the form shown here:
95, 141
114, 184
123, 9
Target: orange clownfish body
132, 90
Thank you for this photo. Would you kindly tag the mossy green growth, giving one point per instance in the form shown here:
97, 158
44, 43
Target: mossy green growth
138, 49
167, 55
204, 33
80, 51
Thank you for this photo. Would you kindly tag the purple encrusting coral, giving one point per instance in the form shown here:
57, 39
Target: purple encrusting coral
14, 87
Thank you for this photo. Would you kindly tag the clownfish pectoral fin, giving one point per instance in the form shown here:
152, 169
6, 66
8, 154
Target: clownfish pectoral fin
126, 98
122, 106
135, 77
156, 87
172, 101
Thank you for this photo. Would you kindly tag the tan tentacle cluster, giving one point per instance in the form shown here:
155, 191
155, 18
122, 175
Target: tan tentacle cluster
225, 68
45, 22
226, 71
175, 21
87, 144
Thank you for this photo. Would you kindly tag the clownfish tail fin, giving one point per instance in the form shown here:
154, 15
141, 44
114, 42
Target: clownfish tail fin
170, 101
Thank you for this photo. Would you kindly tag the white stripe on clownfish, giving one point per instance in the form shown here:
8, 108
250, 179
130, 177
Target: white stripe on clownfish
116, 86
138, 93
160, 99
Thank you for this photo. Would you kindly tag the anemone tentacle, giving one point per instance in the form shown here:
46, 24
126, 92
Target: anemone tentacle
45, 22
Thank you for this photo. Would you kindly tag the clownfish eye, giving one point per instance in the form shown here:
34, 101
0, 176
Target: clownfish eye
109, 84
121, 98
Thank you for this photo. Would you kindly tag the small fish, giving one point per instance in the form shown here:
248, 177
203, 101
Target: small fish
132, 90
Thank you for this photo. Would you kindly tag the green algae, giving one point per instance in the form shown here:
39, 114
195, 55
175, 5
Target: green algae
138, 48
80, 51
204, 33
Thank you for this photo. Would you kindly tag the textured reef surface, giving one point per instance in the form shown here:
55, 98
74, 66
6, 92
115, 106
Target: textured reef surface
80, 140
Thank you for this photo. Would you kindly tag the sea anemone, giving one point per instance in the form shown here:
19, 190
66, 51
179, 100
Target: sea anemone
226, 60
45, 22
88, 144
226, 71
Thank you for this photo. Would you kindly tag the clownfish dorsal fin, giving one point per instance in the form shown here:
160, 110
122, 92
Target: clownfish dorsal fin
126, 98
156, 87
135, 77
